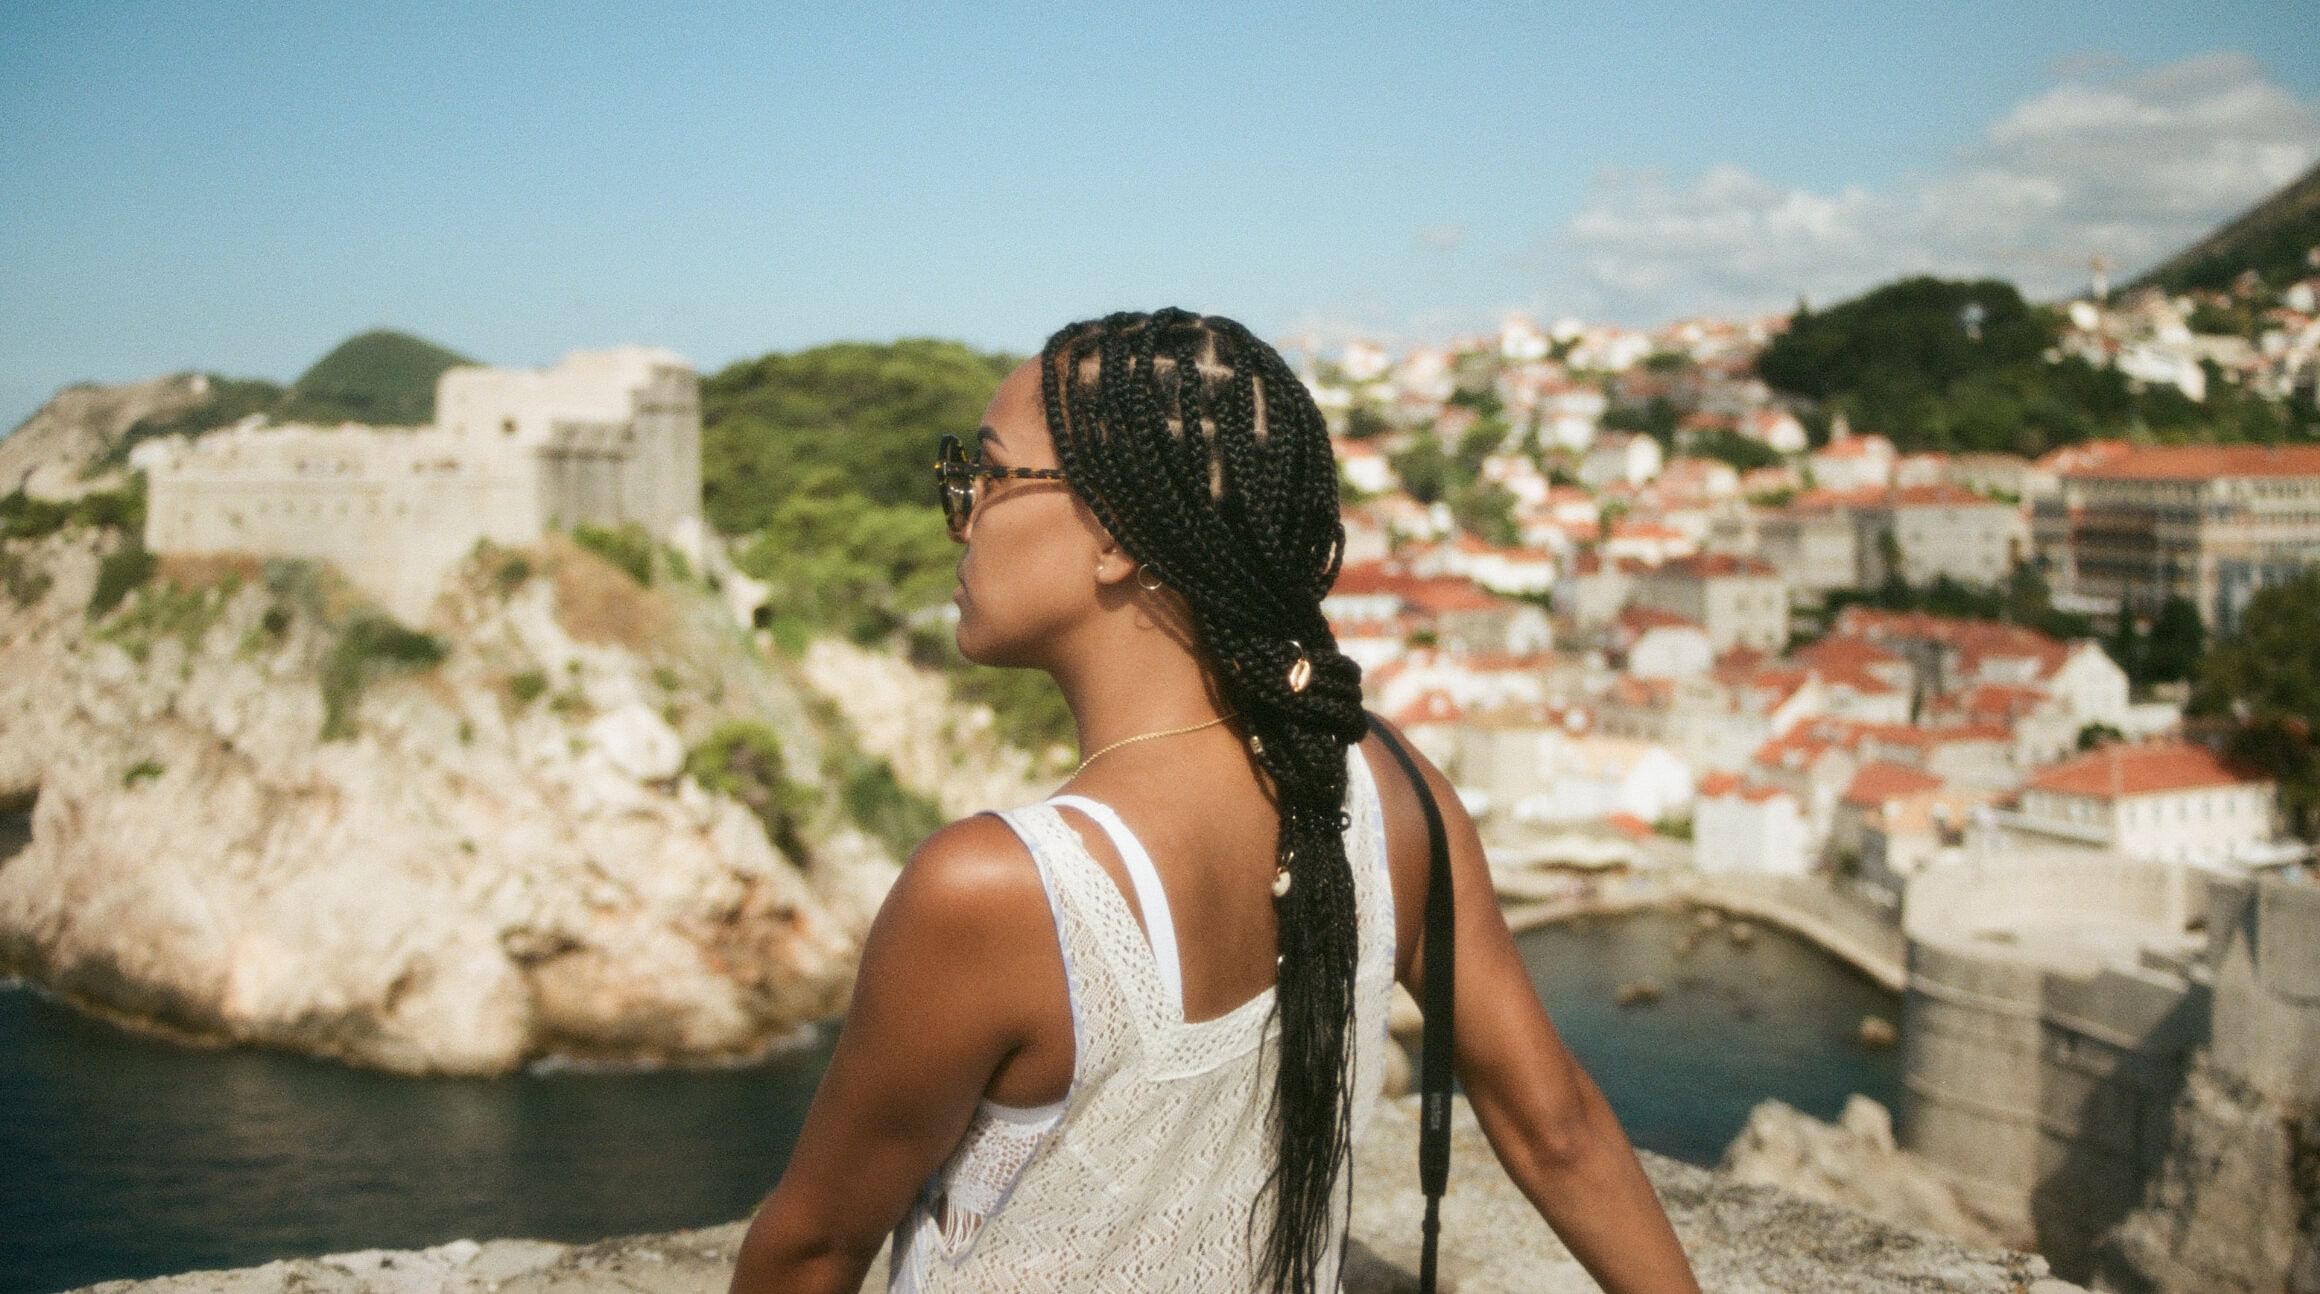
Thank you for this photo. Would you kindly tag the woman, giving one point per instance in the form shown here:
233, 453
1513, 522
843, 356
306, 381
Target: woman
1122, 1040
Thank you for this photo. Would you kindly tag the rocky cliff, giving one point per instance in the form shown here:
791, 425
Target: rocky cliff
260, 813
50, 455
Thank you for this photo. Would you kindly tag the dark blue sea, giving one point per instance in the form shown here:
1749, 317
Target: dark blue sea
126, 1156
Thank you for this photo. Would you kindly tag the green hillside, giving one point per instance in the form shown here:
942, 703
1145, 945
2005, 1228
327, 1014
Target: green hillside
2274, 238
870, 413
1940, 365
382, 378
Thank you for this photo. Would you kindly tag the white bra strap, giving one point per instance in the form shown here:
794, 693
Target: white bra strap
1159, 923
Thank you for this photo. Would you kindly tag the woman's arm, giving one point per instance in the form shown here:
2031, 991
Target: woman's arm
951, 978
1551, 1128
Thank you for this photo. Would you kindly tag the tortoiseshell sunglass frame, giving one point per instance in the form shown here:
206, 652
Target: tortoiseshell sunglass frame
955, 474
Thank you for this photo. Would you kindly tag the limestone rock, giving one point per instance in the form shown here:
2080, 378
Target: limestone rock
47, 455
905, 716
471, 881
2232, 1205
1854, 1164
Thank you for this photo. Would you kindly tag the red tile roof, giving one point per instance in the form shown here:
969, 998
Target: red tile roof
1627, 824
1939, 496
1638, 619
1715, 784
2072, 458
2201, 462
1881, 781
1718, 565
2124, 768
1844, 652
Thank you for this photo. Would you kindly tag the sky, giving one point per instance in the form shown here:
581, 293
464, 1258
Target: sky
236, 188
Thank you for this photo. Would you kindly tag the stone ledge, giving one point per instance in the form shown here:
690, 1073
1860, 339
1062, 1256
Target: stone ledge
1742, 1240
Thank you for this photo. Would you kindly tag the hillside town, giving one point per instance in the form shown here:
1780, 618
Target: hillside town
1665, 658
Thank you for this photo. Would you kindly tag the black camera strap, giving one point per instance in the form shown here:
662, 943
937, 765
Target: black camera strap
1441, 949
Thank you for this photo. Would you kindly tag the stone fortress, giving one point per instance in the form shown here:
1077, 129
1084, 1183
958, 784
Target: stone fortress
2122, 1059
605, 438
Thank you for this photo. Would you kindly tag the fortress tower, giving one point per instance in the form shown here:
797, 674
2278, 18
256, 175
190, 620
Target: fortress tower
607, 438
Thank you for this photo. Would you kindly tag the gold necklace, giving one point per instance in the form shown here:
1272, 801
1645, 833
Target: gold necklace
1148, 736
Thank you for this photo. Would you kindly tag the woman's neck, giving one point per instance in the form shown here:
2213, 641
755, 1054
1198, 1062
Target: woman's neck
1136, 684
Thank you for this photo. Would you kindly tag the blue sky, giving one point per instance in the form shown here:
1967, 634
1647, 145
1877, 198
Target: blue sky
238, 187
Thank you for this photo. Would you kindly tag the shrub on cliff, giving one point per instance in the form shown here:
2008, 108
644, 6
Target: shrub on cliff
878, 803
368, 644
838, 561
122, 570
24, 517
742, 759
627, 547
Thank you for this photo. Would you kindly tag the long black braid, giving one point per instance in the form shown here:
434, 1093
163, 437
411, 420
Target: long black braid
1205, 458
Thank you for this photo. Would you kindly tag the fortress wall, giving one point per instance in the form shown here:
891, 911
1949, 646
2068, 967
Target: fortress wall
2028, 883
2264, 940
2038, 1077
607, 437
1970, 1072
392, 516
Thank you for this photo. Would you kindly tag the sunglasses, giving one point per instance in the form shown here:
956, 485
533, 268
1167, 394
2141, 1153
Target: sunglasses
955, 475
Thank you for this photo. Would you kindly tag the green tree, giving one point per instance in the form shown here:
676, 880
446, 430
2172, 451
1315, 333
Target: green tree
838, 561
1728, 446
2175, 643
2266, 679
870, 412
1426, 471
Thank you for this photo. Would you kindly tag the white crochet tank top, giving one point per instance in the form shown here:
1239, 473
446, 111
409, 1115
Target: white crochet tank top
1141, 1178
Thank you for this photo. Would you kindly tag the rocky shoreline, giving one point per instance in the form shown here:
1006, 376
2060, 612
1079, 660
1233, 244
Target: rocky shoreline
1798, 905
1743, 1239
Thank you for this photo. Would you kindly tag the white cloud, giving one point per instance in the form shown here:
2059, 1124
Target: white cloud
2129, 169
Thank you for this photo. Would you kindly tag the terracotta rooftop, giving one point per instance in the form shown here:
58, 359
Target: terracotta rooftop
2125, 768
1639, 618
2200, 463
1881, 781
1718, 565
1630, 826
1941, 496
1844, 652
1856, 447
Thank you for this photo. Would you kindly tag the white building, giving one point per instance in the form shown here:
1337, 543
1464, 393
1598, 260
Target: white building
1548, 774
1628, 458
1746, 827
2161, 801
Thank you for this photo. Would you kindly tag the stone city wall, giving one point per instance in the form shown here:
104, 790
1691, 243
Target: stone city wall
2265, 951
390, 509
2047, 1033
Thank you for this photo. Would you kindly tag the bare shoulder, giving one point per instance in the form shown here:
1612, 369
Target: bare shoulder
972, 877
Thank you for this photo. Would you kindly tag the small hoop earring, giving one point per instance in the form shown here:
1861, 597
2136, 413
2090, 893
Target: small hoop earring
1157, 583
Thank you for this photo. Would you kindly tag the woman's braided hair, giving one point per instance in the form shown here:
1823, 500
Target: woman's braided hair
1205, 458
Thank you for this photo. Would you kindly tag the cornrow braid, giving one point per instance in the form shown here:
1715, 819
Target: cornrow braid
1204, 456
